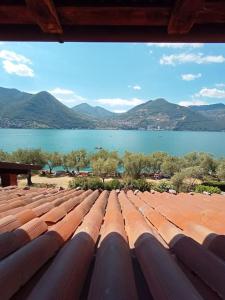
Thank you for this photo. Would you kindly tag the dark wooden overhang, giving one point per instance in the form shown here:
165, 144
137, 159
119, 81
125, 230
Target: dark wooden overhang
17, 168
113, 20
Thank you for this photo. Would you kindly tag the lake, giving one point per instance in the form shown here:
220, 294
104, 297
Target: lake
173, 142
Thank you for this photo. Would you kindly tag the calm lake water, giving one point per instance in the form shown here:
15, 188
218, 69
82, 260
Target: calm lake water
173, 142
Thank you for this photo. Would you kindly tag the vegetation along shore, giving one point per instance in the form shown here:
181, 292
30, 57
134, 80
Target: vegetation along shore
196, 171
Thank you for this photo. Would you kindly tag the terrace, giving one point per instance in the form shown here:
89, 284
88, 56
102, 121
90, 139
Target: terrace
110, 245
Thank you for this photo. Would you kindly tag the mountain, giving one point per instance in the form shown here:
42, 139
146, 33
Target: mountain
208, 107
95, 112
41, 110
161, 114
212, 111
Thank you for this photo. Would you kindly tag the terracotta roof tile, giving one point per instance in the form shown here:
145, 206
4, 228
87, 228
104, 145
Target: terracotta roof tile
101, 245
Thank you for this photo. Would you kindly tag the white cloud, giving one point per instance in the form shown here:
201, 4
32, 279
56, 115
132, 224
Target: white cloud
193, 102
189, 77
14, 63
119, 111
211, 93
135, 87
220, 85
17, 68
183, 58
59, 91
67, 97
120, 101
176, 45
2, 43
13, 56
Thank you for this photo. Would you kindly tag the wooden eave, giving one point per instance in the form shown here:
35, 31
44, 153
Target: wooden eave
113, 21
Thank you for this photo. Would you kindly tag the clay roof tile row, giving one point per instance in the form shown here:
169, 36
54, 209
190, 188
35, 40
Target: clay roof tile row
111, 245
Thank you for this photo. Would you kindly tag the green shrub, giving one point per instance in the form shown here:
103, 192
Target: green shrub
85, 183
95, 183
204, 188
137, 184
219, 184
113, 184
78, 182
163, 186
44, 185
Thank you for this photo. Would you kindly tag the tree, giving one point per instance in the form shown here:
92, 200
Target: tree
178, 181
208, 163
78, 159
105, 154
65, 162
104, 167
54, 159
134, 164
105, 163
170, 166
220, 171
29, 156
4, 156
191, 159
187, 177
155, 161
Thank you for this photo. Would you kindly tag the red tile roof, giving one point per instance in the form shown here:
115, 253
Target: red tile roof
71, 244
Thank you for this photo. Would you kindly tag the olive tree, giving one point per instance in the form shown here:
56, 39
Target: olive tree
54, 159
65, 162
134, 164
78, 159
105, 163
29, 156
187, 178
220, 171
4, 156
104, 167
155, 161
178, 181
208, 163
170, 166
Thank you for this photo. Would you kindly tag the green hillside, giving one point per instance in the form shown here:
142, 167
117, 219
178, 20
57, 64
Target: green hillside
41, 110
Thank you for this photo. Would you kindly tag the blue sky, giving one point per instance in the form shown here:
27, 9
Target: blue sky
116, 76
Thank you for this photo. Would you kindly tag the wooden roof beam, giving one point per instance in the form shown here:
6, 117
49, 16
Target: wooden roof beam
184, 15
45, 15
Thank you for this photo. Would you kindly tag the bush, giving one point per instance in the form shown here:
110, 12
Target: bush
204, 188
113, 185
44, 185
137, 184
178, 182
219, 184
163, 186
85, 183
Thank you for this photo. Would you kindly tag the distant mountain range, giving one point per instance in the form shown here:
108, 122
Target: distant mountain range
93, 111
42, 110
